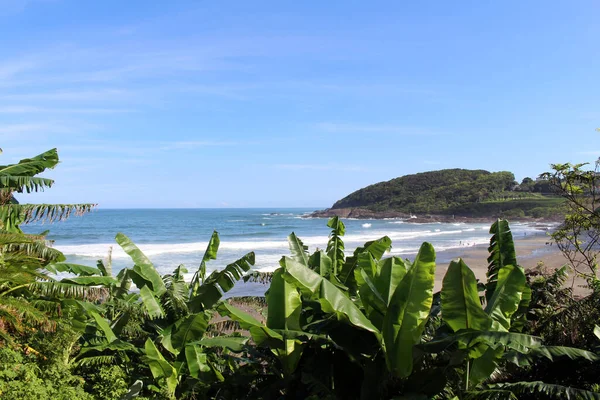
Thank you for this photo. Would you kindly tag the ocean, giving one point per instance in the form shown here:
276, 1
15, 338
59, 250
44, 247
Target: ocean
170, 237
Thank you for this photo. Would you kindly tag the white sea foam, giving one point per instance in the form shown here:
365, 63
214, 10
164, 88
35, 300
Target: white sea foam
403, 240
101, 250
366, 225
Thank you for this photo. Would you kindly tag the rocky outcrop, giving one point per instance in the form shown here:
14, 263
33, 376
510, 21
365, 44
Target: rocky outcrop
362, 213
359, 213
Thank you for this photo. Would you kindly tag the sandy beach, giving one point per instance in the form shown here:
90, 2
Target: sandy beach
530, 252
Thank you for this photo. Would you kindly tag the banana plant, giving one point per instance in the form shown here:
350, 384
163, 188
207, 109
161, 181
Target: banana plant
175, 316
375, 310
483, 335
381, 316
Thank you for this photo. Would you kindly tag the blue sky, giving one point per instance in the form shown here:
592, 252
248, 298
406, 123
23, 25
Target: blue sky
249, 104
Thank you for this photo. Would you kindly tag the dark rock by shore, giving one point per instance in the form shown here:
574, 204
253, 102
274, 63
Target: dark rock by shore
361, 213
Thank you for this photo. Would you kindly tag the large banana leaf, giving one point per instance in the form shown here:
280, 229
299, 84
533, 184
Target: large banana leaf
210, 254
284, 308
261, 334
233, 343
408, 311
519, 318
468, 338
219, 283
31, 166
91, 280
484, 366
284, 304
104, 327
335, 245
372, 301
284, 344
196, 361
332, 299
461, 308
161, 370
298, 249
145, 272
151, 304
547, 390
549, 352
319, 261
502, 252
188, 329
391, 272
81, 270
376, 247
507, 294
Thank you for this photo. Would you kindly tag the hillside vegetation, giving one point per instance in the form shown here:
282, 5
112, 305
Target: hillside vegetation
459, 192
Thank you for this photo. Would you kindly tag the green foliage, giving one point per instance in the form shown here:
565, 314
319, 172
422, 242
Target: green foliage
450, 191
461, 306
25, 376
336, 326
109, 382
384, 336
579, 234
408, 311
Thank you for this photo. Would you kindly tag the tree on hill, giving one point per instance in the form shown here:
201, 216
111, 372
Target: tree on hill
452, 192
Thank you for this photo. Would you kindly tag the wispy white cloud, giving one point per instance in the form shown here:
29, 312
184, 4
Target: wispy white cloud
11, 7
16, 129
335, 127
16, 133
25, 109
191, 144
10, 69
321, 167
69, 95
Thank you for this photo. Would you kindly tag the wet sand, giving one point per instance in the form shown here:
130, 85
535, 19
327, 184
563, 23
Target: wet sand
531, 251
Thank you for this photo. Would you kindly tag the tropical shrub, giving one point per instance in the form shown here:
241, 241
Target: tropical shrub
24, 375
366, 326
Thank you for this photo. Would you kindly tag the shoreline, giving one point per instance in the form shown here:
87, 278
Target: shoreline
531, 251
365, 214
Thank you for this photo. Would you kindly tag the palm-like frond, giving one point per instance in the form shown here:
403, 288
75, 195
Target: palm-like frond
220, 282
548, 390
95, 361
175, 299
17, 313
490, 394
335, 245
68, 290
35, 249
24, 183
47, 212
258, 277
